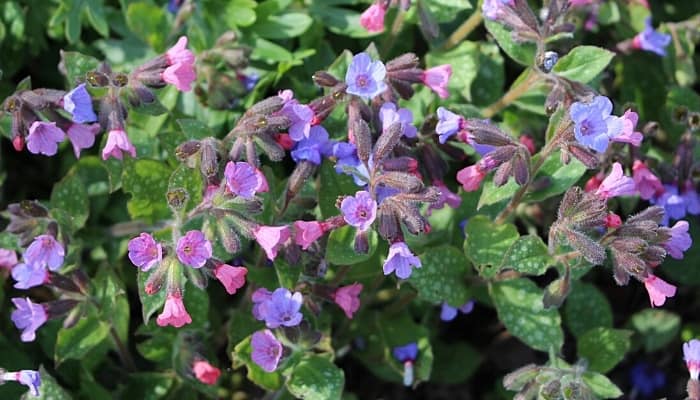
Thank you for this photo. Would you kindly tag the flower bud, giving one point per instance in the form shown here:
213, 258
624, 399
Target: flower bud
267, 106
58, 308
400, 180
586, 156
362, 242
177, 198
209, 163
229, 237
387, 141
272, 149
363, 140
592, 251
323, 78
187, 149
388, 222
402, 62
156, 279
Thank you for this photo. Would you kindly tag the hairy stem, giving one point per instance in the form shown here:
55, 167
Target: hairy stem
463, 30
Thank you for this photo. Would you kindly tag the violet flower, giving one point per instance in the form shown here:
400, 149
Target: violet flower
448, 313
242, 179
348, 298
27, 377
145, 252
448, 124
82, 136
28, 275
680, 240
312, 148
651, 40
691, 355
365, 78
194, 249
594, 126
359, 210
282, 308
28, 317
437, 78
266, 350
616, 184
628, 135
647, 183
45, 251
44, 138
401, 261
79, 104
493, 9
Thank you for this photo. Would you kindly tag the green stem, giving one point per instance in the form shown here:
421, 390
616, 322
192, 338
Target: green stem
394, 33
463, 30
511, 95
123, 352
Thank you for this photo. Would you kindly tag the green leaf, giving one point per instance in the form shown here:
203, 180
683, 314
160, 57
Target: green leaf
49, 389
519, 306
560, 177
603, 347
288, 275
583, 63
528, 255
284, 26
492, 194
242, 356
441, 277
269, 52
150, 304
147, 386
77, 65
656, 328
240, 13
77, 341
316, 378
191, 181
454, 362
149, 23
586, 299
96, 15
601, 385
523, 53
339, 20
333, 185
487, 242
341, 249
147, 182
465, 61
71, 196
447, 10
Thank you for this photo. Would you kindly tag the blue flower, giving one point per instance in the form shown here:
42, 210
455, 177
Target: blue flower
408, 352
79, 103
365, 78
594, 126
312, 148
448, 124
448, 313
647, 379
651, 40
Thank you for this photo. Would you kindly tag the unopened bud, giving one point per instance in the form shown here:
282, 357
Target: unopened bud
97, 79
401, 180
556, 292
272, 149
229, 237
58, 308
551, 390
500, 177
187, 149
361, 242
388, 225
18, 143
177, 198
209, 163
387, 141
521, 168
267, 106
404, 61
323, 78
591, 250
156, 280
363, 140
586, 156
120, 79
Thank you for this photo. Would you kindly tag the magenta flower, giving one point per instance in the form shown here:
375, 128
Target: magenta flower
658, 290
44, 138
179, 53
446, 198
400, 260
365, 78
680, 240
359, 210
628, 134
448, 124
372, 18
267, 350
691, 355
307, 232
79, 104
281, 308
616, 184
117, 142
174, 312
233, 278
594, 127
242, 179
493, 9
263, 187
28, 317
259, 297
651, 40
193, 249
27, 377
205, 372
145, 252
180, 71
648, 184
28, 276
45, 251
348, 298
271, 238
82, 136
389, 115
8, 258
471, 177
437, 78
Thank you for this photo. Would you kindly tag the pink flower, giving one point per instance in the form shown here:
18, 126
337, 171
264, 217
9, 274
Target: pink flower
82, 136
8, 258
437, 78
179, 53
648, 184
271, 238
348, 298
180, 75
616, 184
205, 372
307, 232
527, 141
174, 312
44, 138
372, 18
194, 249
117, 142
471, 177
233, 278
658, 290
613, 220
263, 187
628, 134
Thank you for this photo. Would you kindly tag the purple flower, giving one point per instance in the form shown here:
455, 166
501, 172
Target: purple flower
193, 249
44, 138
348, 163
360, 210
313, 147
8, 258
650, 40
594, 126
647, 379
680, 240
389, 115
691, 355
673, 204
408, 352
448, 124
300, 117
616, 184
691, 198
145, 252
249, 80
45, 251
628, 135
28, 317
281, 308
27, 377
400, 259
174, 5
493, 9
365, 78
242, 179
28, 276
448, 313
267, 350
259, 297
79, 103
82, 136
447, 197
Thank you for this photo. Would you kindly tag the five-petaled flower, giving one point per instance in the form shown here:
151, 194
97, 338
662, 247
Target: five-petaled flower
359, 210
145, 252
594, 127
365, 78
194, 249
266, 350
401, 261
